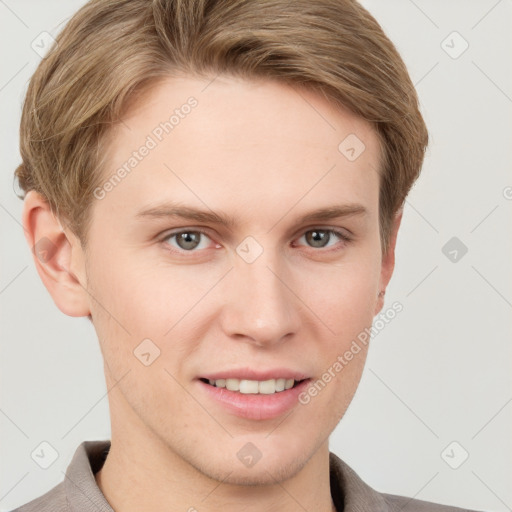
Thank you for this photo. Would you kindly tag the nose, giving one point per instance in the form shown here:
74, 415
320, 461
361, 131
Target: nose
260, 306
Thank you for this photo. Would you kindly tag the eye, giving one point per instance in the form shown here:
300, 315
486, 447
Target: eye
320, 238
187, 240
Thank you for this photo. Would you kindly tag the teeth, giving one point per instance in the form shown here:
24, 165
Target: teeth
267, 387
263, 387
288, 383
249, 386
232, 384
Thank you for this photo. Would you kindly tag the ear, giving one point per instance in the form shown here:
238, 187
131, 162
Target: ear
388, 261
58, 256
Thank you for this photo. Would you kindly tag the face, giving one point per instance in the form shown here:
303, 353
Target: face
208, 260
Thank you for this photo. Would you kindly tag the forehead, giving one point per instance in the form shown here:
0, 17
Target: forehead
209, 142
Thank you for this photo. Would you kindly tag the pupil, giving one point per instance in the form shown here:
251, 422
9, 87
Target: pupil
188, 239
317, 238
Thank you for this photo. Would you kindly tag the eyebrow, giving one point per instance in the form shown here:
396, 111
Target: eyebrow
172, 210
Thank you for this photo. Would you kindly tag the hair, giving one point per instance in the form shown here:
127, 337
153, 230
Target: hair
112, 51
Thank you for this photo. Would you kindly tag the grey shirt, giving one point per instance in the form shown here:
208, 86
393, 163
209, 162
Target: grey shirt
78, 492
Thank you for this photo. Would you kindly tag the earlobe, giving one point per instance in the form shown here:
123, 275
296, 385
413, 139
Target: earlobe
388, 262
57, 254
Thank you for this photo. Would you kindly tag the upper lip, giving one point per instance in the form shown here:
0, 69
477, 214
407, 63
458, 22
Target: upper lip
252, 374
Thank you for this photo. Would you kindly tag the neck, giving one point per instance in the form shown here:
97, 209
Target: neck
146, 475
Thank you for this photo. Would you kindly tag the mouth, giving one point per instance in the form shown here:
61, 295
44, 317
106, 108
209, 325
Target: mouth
254, 399
254, 387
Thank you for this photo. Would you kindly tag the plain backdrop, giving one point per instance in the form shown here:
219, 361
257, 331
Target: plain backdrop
432, 417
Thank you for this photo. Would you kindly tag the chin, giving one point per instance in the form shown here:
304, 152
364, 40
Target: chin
266, 471
265, 475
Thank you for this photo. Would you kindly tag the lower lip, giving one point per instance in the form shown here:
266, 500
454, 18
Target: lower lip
255, 406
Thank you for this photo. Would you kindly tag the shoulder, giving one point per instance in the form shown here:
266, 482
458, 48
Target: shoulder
79, 490
403, 504
52, 501
351, 493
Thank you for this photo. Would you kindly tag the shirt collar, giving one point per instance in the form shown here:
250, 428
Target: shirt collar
349, 492
82, 491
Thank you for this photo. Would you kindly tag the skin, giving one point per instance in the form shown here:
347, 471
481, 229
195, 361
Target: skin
265, 154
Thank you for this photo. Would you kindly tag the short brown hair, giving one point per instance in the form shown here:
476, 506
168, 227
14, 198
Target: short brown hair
113, 49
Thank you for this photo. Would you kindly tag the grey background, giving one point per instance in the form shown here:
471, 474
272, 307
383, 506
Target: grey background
438, 373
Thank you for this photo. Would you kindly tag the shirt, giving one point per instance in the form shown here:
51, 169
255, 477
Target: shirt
79, 492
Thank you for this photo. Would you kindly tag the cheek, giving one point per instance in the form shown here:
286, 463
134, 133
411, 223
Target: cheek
133, 302
116, 306
344, 296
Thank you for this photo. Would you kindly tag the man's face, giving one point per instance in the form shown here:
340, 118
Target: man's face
268, 296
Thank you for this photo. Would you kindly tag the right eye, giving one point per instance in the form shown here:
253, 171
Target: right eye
187, 240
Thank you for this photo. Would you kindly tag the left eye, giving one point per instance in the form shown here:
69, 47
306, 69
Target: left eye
320, 238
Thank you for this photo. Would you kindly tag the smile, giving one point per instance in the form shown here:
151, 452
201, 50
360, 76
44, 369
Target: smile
245, 386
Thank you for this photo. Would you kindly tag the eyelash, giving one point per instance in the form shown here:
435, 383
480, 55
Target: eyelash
340, 234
